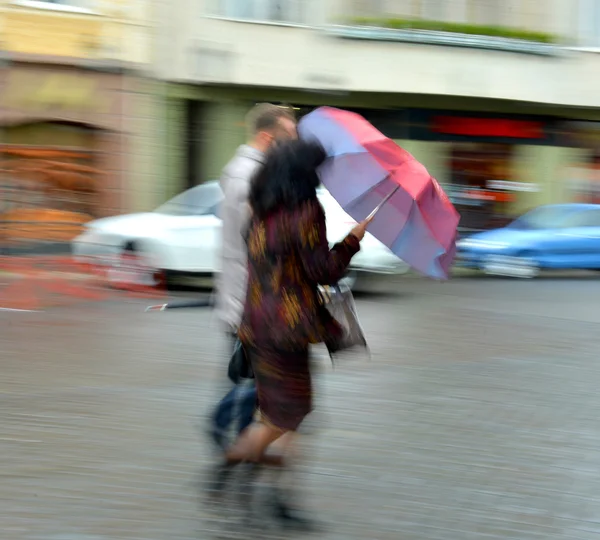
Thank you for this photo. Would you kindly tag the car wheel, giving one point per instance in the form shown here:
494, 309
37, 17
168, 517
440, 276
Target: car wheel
522, 265
133, 269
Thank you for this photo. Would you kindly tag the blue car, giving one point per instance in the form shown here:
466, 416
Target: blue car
557, 237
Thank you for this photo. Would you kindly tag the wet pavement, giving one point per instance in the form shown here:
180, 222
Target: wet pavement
477, 417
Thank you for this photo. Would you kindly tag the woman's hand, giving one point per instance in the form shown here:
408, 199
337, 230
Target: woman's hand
360, 230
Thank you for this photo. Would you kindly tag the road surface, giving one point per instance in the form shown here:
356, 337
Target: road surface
477, 418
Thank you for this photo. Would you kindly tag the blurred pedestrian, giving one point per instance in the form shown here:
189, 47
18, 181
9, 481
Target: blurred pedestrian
267, 124
288, 257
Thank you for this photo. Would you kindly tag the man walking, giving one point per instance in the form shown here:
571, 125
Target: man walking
267, 124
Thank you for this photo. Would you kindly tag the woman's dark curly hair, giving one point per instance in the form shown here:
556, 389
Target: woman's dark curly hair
287, 178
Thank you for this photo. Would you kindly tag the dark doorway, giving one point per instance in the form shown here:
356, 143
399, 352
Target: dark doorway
195, 137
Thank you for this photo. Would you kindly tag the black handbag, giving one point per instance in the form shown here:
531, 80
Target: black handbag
239, 366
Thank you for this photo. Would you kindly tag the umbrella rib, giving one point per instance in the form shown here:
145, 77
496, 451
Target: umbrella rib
365, 193
378, 207
412, 209
364, 151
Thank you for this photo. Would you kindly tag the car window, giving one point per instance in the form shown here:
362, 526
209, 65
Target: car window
545, 217
202, 200
587, 218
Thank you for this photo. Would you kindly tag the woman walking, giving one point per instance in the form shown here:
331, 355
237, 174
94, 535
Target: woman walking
288, 257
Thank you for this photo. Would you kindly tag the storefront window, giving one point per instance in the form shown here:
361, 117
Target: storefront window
47, 191
482, 184
584, 180
582, 174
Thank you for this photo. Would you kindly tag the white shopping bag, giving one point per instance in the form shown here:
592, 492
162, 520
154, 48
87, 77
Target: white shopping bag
339, 301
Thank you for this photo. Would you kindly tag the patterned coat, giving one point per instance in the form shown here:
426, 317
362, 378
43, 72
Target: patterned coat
288, 256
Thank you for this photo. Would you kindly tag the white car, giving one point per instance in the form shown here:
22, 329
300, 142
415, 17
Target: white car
183, 237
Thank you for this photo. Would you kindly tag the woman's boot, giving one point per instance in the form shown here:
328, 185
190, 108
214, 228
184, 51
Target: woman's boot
219, 478
248, 476
287, 514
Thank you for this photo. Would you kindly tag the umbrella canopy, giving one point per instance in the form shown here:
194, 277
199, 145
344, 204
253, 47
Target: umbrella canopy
365, 171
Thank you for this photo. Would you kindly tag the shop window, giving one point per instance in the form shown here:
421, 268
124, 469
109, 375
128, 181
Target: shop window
49, 181
589, 23
482, 184
583, 179
278, 11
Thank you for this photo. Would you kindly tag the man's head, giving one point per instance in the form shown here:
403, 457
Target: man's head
268, 124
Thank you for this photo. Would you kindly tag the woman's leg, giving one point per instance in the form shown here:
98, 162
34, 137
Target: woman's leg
253, 443
266, 445
284, 446
249, 448
281, 452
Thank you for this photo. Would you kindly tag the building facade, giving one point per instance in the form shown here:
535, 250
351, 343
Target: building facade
485, 92
77, 108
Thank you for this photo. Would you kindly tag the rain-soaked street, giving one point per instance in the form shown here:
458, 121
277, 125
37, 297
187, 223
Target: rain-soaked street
477, 417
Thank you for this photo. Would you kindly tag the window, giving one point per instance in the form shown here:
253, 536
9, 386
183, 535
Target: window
491, 12
284, 11
589, 23
202, 200
545, 217
433, 10
82, 6
587, 218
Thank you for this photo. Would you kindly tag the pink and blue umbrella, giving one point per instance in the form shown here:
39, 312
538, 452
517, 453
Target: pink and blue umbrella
366, 172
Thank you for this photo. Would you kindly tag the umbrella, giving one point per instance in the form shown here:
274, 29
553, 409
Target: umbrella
369, 174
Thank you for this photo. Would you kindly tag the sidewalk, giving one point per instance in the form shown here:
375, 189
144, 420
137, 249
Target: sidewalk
39, 282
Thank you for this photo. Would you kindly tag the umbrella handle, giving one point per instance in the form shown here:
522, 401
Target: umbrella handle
378, 207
